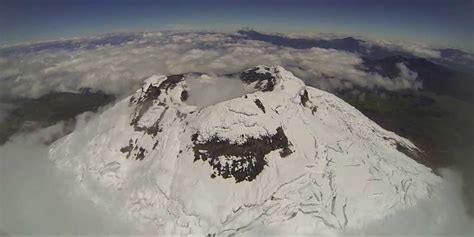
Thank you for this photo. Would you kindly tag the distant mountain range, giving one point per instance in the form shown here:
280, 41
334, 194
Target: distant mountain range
455, 58
449, 75
436, 78
71, 44
347, 44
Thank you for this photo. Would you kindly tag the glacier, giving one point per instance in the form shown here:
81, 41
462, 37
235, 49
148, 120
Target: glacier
281, 157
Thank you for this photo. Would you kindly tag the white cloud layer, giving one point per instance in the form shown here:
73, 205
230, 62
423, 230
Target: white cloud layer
35, 199
412, 47
120, 69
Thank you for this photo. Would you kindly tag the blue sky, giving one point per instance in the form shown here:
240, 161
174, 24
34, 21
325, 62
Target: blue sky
441, 23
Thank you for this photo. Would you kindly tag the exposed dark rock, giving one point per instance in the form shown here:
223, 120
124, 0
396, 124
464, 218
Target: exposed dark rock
244, 161
138, 152
154, 145
148, 99
184, 95
260, 105
412, 153
140, 111
152, 130
304, 101
127, 149
181, 115
154, 91
171, 81
145, 102
265, 81
151, 93
314, 109
304, 97
141, 154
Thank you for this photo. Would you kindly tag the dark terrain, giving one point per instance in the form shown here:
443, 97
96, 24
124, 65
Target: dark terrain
30, 114
435, 77
250, 155
453, 58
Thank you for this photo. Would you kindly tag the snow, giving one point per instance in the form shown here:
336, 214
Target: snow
344, 170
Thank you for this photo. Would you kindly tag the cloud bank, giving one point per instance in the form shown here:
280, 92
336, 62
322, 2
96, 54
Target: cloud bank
120, 68
32, 186
415, 48
36, 199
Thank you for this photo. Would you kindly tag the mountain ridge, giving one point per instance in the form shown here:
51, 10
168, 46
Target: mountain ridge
291, 158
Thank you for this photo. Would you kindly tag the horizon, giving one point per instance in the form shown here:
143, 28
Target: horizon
29, 21
291, 35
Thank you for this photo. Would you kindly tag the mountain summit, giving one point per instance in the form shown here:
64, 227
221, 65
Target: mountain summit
279, 156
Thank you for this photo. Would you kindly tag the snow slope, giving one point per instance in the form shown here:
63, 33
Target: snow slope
286, 158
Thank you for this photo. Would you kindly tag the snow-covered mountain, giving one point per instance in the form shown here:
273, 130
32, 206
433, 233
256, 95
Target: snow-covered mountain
278, 157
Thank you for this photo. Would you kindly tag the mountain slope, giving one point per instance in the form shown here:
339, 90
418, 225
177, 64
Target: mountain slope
348, 44
284, 157
29, 114
435, 78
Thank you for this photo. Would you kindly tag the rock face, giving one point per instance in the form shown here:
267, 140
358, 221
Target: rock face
286, 158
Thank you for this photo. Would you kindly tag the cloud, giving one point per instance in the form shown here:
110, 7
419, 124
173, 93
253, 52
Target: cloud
406, 79
120, 69
415, 48
211, 89
37, 199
